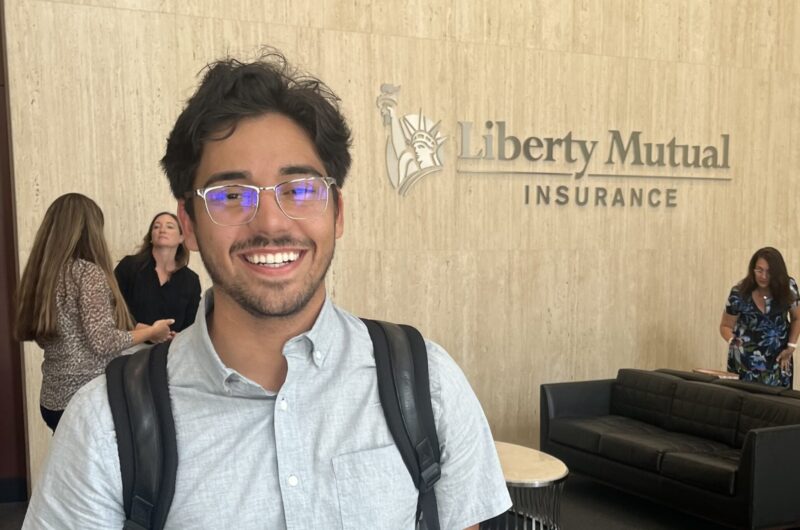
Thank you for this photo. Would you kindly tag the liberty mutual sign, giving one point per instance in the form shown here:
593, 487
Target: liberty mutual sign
557, 167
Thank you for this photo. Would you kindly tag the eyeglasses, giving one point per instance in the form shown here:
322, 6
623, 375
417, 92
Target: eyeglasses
237, 204
761, 271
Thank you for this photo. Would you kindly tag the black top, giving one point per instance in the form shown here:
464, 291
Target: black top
149, 301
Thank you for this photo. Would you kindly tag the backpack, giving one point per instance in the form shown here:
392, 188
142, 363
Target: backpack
138, 393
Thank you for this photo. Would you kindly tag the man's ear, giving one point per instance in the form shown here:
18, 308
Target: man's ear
339, 221
190, 240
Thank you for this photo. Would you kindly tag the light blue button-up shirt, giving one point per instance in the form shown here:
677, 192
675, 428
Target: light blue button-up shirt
318, 454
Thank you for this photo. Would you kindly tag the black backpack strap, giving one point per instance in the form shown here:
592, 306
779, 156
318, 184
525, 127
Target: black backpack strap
401, 361
146, 441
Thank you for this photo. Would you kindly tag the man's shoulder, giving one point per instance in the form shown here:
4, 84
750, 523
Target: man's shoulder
92, 396
88, 414
446, 376
438, 358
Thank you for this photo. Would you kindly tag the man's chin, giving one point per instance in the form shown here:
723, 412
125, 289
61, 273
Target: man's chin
260, 307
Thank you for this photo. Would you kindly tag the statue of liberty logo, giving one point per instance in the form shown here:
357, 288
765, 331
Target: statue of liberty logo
414, 143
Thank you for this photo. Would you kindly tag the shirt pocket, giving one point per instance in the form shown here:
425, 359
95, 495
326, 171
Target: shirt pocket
375, 490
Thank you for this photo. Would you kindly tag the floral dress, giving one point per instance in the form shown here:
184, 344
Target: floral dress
762, 336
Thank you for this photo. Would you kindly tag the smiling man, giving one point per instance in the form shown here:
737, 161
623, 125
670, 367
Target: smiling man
274, 389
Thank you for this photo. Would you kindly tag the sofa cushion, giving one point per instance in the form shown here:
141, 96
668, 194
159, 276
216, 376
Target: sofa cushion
645, 450
760, 411
585, 433
712, 471
643, 395
707, 411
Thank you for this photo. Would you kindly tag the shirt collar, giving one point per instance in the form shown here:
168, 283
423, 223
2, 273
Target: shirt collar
326, 332
316, 344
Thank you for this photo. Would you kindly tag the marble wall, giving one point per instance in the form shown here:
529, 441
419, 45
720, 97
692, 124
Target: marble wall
519, 291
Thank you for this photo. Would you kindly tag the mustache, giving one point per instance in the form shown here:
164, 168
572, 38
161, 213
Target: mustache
262, 242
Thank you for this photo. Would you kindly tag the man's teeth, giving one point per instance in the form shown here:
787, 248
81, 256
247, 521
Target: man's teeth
272, 258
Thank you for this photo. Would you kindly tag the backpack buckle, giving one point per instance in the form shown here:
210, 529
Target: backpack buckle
429, 475
429, 470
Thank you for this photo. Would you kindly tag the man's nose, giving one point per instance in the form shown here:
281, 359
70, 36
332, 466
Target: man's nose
269, 215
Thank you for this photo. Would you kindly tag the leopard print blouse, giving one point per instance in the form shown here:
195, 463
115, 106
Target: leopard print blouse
88, 336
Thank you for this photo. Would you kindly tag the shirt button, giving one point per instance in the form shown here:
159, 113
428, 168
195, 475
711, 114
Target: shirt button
293, 480
283, 404
318, 355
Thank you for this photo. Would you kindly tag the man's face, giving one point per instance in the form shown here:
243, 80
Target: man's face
272, 266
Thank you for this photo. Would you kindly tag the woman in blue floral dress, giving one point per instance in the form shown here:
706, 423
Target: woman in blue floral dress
761, 321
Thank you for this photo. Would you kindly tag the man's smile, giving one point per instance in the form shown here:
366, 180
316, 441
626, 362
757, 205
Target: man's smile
272, 259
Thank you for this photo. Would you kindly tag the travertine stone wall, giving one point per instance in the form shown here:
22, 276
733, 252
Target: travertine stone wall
520, 294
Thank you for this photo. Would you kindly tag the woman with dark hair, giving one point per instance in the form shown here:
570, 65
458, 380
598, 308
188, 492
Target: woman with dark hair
69, 303
760, 321
156, 281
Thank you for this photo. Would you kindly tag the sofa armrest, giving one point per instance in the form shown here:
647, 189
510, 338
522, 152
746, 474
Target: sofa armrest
576, 399
771, 462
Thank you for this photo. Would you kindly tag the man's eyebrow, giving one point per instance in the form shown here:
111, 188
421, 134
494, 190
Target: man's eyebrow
300, 170
226, 176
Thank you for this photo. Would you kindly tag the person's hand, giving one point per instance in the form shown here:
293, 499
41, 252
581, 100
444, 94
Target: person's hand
160, 332
785, 358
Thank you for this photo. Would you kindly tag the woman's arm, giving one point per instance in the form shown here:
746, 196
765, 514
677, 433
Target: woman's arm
727, 325
785, 356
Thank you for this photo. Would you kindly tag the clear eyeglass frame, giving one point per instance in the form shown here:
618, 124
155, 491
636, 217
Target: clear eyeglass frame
276, 189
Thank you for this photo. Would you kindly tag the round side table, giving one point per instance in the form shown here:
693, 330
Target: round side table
535, 482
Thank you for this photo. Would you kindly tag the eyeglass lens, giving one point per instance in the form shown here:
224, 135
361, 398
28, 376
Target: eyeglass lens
237, 204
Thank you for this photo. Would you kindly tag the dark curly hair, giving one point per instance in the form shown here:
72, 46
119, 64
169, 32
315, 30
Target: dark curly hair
231, 91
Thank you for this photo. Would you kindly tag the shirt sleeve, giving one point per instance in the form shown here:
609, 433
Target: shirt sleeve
80, 485
472, 488
734, 304
97, 314
795, 296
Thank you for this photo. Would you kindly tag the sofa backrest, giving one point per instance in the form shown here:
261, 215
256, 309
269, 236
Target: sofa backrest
643, 395
691, 376
708, 411
718, 410
761, 410
753, 388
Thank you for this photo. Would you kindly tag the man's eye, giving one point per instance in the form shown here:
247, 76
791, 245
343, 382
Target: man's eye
299, 192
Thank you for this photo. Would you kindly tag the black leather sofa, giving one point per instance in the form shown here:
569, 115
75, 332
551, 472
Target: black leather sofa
723, 450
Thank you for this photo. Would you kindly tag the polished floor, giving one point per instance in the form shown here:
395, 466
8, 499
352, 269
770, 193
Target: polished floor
585, 505
589, 505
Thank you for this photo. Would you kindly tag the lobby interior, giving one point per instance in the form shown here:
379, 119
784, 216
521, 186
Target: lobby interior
600, 173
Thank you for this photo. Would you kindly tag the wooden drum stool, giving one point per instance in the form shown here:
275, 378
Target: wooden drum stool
535, 481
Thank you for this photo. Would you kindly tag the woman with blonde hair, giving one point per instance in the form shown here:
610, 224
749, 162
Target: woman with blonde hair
156, 282
70, 304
